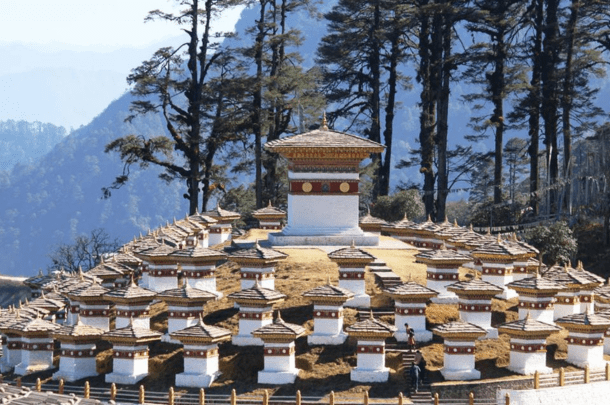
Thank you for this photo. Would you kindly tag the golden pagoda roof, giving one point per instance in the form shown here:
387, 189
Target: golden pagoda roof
474, 287
94, 290
585, 321
442, 255
187, 292
572, 277
52, 300
368, 219
78, 330
202, 333
131, 292
269, 211
132, 334
34, 326
459, 330
499, 248
258, 254
198, 252
411, 289
350, 254
329, 292
536, 283
202, 219
528, 327
109, 268
371, 328
257, 294
279, 330
222, 214
404, 223
326, 139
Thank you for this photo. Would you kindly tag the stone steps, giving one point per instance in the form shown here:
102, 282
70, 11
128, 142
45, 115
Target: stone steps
387, 279
377, 312
424, 393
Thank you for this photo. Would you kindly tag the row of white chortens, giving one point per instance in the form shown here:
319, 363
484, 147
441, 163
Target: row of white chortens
176, 266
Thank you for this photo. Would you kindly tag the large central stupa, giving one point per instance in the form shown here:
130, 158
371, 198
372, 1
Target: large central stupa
323, 197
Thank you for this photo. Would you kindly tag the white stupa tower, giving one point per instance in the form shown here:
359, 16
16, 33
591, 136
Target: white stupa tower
323, 195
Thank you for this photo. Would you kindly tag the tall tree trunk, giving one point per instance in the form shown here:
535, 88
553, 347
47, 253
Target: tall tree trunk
375, 131
566, 99
534, 106
498, 88
389, 111
428, 111
270, 159
442, 126
194, 95
550, 95
258, 103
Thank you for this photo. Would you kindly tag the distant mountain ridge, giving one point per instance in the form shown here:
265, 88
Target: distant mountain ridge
23, 142
59, 197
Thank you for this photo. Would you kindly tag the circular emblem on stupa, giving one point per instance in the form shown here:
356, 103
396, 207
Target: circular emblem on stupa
344, 187
307, 187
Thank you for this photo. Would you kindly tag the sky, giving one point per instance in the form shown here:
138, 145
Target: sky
64, 61
85, 24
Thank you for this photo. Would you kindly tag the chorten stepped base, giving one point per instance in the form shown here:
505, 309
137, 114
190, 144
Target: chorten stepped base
277, 377
283, 239
196, 380
199, 371
528, 356
338, 339
359, 301
76, 361
581, 356
371, 376
446, 298
461, 374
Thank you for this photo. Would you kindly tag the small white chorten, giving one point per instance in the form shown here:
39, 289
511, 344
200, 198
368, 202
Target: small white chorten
442, 269
279, 351
269, 217
410, 302
370, 364
129, 353
131, 303
255, 311
200, 353
352, 263
77, 353
585, 339
220, 231
36, 344
328, 303
528, 344
257, 263
475, 303
185, 307
459, 348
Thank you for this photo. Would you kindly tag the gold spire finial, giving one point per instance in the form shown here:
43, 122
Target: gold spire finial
269, 206
324, 122
353, 245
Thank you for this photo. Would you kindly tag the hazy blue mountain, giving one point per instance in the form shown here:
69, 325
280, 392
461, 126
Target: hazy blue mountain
59, 196
23, 142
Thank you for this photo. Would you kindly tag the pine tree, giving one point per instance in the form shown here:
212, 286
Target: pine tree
360, 58
284, 92
173, 84
490, 65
